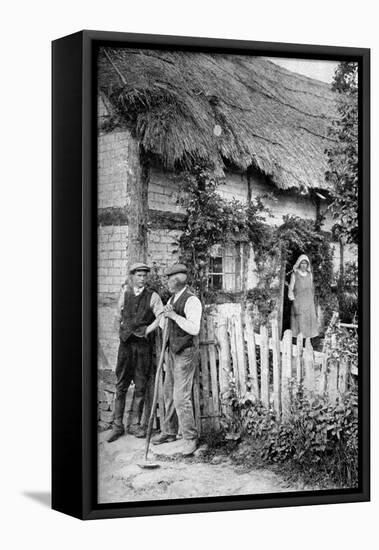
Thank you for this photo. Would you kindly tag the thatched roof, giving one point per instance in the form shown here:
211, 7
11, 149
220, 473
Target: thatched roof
271, 119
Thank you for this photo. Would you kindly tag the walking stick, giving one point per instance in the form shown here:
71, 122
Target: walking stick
147, 464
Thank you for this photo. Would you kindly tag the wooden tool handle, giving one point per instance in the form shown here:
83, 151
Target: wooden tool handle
156, 385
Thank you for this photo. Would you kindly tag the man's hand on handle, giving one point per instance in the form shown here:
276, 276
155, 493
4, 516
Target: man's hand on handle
169, 311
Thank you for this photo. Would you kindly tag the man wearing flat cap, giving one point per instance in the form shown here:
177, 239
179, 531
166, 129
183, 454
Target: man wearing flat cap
138, 313
183, 312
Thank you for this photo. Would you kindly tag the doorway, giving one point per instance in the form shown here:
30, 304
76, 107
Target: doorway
286, 304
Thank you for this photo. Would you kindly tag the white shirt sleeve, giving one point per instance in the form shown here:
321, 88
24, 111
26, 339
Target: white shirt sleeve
192, 311
156, 304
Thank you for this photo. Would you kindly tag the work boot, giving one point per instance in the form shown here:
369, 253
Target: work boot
138, 431
189, 447
163, 438
118, 426
116, 432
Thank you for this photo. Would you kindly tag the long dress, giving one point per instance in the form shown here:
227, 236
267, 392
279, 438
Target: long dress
303, 311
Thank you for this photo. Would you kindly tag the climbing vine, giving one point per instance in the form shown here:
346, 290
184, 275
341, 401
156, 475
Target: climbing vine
211, 219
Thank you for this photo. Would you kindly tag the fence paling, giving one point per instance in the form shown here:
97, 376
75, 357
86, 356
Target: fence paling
196, 399
286, 372
323, 374
240, 352
233, 350
276, 364
224, 364
207, 402
252, 358
309, 371
343, 377
213, 372
299, 358
265, 371
332, 381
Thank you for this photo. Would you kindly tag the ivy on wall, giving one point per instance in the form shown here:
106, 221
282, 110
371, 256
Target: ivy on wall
210, 219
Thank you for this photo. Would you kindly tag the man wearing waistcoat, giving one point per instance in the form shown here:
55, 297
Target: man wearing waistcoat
138, 313
183, 312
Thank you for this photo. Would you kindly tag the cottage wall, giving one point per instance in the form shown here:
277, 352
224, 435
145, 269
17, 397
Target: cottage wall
164, 189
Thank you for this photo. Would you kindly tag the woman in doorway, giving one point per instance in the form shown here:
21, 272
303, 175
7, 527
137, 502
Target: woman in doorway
301, 293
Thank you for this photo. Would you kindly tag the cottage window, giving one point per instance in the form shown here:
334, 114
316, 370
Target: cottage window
225, 268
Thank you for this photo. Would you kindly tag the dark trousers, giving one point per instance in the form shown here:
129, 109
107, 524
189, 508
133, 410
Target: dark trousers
134, 363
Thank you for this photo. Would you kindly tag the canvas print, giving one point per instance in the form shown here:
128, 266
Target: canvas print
227, 193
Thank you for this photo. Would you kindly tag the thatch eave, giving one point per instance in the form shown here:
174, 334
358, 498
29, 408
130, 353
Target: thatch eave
270, 118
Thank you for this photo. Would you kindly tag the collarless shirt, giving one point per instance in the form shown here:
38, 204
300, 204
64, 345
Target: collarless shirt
192, 311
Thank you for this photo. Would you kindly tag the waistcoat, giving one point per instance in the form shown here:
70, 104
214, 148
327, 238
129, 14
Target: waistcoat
178, 338
136, 314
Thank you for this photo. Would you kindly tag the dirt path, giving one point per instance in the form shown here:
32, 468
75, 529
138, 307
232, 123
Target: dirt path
121, 479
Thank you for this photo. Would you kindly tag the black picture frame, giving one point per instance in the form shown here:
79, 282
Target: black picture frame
74, 468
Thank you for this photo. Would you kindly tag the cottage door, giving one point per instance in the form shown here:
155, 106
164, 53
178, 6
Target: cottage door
285, 304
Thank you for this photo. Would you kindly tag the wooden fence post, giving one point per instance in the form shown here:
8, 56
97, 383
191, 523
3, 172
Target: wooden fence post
309, 368
332, 373
233, 350
265, 371
323, 373
286, 372
252, 358
213, 372
240, 350
207, 402
224, 362
343, 376
276, 365
196, 398
332, 381
299, 358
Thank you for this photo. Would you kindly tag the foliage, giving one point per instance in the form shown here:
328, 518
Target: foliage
155, 282
318, 438
259, 233
263, 298
348, 293
343, 154
210, 219
342, 343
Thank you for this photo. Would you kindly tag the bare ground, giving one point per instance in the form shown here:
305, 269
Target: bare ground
122, 480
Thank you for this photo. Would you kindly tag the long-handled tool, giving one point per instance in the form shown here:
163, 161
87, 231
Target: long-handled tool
147, 463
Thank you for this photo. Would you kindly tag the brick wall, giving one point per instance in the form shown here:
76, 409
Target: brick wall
112, 257
162, 247
112, 169
163, 192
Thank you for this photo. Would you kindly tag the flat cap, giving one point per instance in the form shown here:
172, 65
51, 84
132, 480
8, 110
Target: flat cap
138, 266
176, 268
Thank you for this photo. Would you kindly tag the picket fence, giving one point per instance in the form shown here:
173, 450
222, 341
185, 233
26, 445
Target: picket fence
261, 366
258, 364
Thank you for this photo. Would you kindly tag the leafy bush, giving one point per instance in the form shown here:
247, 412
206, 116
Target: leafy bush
317, 439
348, 293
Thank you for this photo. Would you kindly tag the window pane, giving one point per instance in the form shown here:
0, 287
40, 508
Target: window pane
216, 265
216, 282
